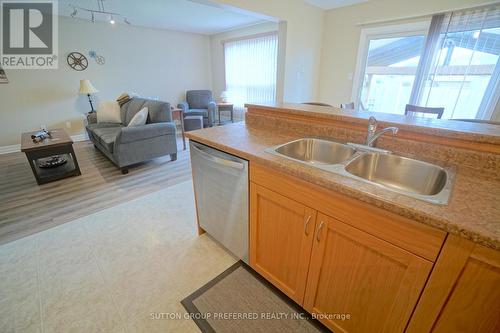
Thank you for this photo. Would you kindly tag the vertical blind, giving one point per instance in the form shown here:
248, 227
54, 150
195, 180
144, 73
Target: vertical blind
251, 69
463, 65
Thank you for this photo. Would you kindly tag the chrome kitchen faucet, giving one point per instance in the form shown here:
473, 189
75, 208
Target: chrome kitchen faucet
373, 135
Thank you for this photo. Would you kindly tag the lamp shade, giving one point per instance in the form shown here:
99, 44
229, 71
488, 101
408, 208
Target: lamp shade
87, 88
224, 96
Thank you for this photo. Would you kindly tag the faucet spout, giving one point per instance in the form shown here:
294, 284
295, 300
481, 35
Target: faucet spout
373, 135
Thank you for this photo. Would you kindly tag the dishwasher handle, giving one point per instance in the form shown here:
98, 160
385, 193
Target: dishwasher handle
218, 160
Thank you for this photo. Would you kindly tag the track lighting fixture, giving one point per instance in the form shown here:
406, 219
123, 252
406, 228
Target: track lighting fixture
99, 11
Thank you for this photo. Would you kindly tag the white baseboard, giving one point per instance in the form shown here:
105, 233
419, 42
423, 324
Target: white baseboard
17, 148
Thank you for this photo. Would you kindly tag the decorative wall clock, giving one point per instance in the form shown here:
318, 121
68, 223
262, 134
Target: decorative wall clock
77, 61
100, 60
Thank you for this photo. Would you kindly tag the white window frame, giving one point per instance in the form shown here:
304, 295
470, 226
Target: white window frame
389, 31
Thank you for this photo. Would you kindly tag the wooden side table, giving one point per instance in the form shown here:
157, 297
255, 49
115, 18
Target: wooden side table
225, 107
179, 114
59, 144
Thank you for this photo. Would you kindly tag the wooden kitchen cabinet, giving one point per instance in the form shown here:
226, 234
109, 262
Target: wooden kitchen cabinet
463, 292
352, 260
281, 235
354, 275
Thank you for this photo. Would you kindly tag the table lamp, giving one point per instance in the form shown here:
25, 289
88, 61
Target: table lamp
87, 88
224, 96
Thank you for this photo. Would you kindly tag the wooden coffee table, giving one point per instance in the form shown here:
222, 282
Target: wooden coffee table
59, 144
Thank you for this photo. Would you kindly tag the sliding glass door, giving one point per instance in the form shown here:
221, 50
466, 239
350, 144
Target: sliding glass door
454, 64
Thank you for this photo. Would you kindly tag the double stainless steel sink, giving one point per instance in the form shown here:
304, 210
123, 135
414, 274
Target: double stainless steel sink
414, 178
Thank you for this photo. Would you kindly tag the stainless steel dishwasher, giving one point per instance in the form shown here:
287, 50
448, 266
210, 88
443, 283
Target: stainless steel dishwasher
221, 191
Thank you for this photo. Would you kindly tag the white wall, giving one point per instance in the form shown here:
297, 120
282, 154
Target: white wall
217, 50
341, 37
150, 62
304, 28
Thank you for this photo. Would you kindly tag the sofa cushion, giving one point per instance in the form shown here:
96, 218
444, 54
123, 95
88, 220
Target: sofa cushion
129, 109
199, 99
159, 112
145, 132
106, 136
196, 112
92, 126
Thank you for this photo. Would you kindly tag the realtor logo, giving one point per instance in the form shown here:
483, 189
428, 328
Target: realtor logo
29, 34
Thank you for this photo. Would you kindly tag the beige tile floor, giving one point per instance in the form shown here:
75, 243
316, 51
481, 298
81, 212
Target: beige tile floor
109, 271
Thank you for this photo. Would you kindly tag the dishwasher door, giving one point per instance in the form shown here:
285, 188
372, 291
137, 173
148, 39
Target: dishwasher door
221, 191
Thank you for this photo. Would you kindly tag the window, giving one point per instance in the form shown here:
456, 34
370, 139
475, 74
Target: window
454, 65
251, 69
387, 66
390, 72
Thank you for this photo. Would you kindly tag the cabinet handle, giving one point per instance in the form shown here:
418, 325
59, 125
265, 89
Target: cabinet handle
306, 225
318, 233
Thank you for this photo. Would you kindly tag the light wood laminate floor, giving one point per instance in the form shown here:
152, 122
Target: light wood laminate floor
27, 208
124, 269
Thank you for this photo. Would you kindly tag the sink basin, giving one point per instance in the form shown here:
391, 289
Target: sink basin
399, 173
413, 178
316, 151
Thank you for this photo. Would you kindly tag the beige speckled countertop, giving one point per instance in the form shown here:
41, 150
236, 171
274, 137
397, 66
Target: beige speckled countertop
470, 131
473, 211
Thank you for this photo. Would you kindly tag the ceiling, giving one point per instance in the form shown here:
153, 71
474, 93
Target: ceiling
182, 15
331, 4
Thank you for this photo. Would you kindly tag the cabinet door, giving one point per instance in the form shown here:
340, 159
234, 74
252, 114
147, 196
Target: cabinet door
463, 292
360, 283
281, 234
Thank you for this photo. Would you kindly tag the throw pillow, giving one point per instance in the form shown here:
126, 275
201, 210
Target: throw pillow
140, 118
109, 112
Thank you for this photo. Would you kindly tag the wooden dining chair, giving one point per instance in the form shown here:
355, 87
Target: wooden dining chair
423, 109
349, 106
317, 103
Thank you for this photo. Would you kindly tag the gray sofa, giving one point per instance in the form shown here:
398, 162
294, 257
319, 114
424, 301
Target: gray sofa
199, 103
124, 145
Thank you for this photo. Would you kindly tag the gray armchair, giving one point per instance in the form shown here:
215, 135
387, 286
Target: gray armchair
199, 103
124, 145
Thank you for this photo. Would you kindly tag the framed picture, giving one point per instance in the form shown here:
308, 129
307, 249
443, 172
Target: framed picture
3, 77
